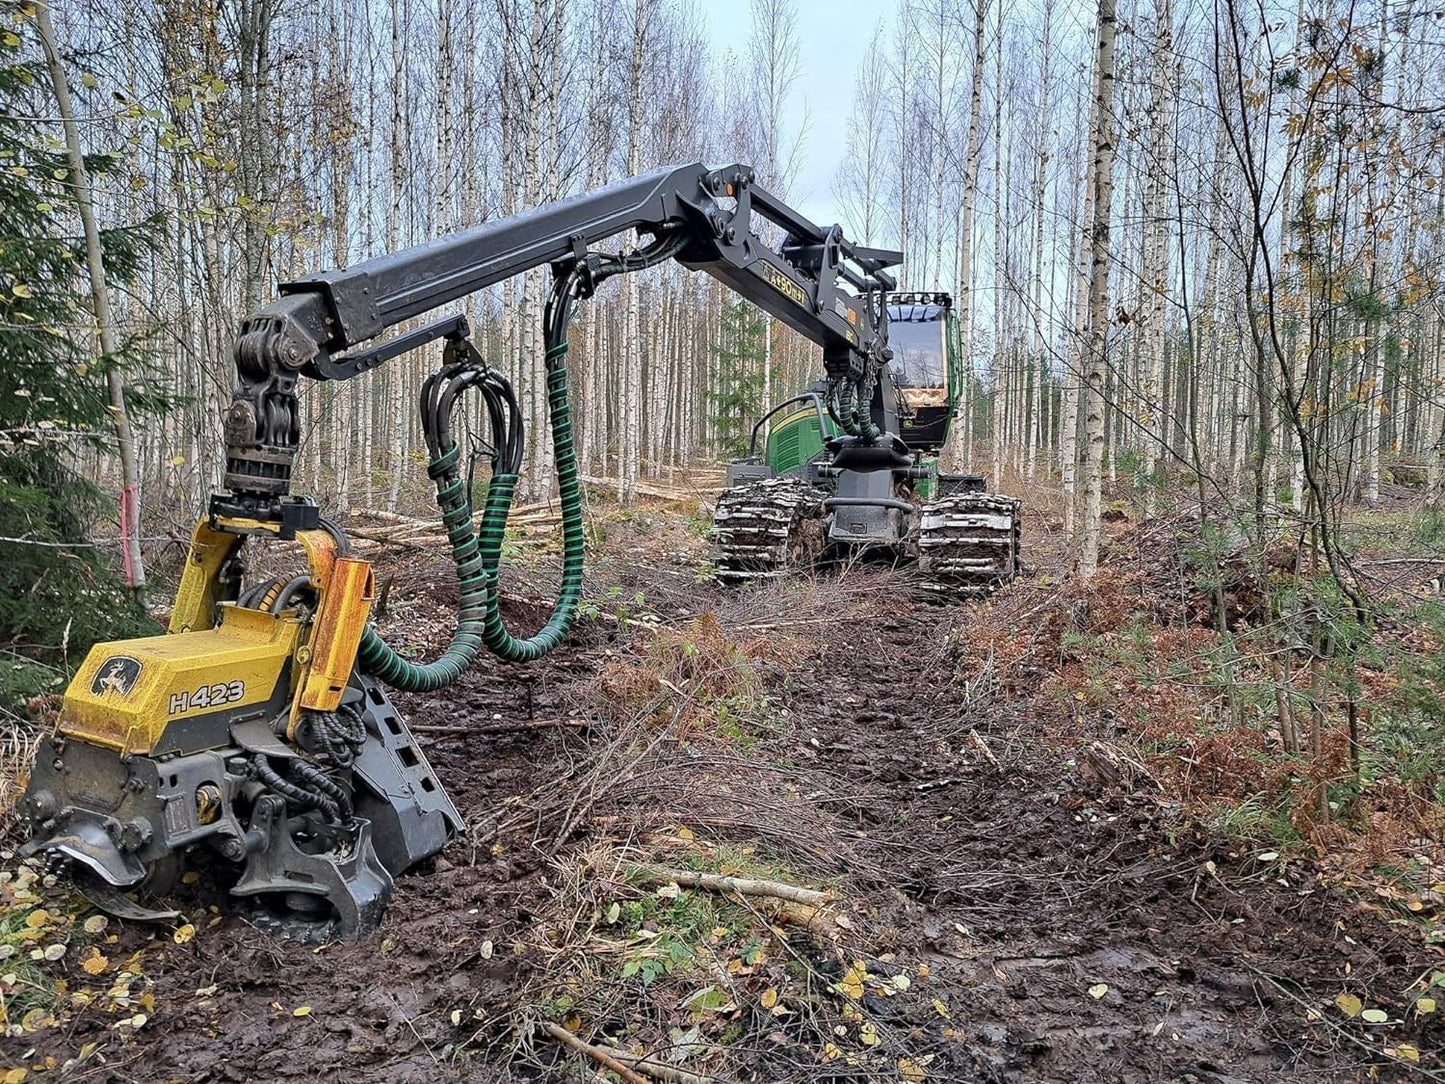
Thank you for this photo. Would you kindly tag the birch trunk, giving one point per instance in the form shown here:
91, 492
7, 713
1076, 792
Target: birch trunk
1073, 374
1098, 288
955, 450
1156, 248
631, 408
100, 302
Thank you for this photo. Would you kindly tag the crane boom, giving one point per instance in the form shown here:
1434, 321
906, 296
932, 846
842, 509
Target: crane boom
814, 280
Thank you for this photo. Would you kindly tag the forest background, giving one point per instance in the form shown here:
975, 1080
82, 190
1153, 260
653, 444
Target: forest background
1195, 249
1275, 182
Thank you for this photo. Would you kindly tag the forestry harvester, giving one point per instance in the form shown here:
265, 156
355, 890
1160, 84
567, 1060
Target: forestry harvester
837, 479
256, 736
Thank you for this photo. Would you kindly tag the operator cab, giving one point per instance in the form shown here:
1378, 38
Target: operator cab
918, 335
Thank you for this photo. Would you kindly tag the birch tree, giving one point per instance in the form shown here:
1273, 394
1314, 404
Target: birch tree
100, 301
956, 451
1102, 182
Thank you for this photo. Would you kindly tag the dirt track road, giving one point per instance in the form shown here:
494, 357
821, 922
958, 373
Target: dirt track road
1068, 932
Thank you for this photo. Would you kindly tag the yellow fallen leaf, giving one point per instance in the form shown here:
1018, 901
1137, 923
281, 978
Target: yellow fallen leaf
33, 1019
1374, 1016
684, 833
911, 1070
94, 965
301, 1010
830, 1052
456, 1017
20, 289
184, 934
924, 971
941, 1009
95, 924
1349, 1004
190, 877
37, 918
1405, 1051
16, 1076
851, 984
769, 998
1098, 990
1425, 1005
868, 1034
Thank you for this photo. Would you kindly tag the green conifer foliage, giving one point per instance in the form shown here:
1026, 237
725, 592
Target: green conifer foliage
58, 592
737, 398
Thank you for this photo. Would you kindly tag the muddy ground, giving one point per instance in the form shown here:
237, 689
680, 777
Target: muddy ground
1064, 929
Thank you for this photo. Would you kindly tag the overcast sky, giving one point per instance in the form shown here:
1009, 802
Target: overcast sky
833, 35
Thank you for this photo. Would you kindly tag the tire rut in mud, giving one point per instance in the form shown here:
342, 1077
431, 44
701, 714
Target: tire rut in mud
987, 861
1070, 938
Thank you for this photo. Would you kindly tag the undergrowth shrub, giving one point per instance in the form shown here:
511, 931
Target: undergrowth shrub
1205, 708
704, 675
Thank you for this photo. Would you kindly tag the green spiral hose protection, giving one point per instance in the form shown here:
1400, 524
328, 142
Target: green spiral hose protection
494, 525
478, 557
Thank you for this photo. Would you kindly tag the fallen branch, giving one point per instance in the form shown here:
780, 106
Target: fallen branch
769, 626
646, 489
389, 517
982, 747
497, 728
597, 1054
743, 886
670, 1073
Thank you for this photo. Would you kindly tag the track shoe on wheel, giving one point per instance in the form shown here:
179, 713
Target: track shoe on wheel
968, 545
767, 528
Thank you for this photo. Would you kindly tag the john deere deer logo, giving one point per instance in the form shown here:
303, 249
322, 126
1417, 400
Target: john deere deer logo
116, 675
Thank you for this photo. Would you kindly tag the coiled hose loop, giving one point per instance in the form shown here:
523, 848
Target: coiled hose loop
478, 553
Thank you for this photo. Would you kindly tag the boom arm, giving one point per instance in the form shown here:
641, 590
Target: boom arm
816, 282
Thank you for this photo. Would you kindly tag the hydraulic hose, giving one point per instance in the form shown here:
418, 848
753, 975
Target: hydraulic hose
498, 507
478, 553
375, 655
849, 405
